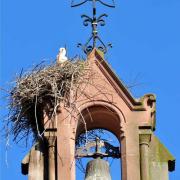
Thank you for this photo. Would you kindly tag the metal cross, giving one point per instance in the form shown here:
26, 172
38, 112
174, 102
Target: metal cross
94, 21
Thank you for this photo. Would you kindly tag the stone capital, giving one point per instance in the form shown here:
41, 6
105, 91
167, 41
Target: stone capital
50, 136
145, 136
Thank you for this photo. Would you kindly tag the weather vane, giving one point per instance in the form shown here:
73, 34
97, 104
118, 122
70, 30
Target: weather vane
94, 21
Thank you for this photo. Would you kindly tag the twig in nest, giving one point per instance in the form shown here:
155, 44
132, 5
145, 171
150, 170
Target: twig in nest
41, 87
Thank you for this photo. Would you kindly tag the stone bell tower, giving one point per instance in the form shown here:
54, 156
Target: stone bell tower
105, 103
100, 101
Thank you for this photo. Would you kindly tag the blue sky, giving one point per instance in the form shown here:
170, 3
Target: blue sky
146, 39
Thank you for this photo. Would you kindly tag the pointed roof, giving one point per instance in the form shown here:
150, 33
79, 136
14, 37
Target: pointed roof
122, 90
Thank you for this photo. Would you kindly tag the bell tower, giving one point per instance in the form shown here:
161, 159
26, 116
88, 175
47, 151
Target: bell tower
93, 97
102, 101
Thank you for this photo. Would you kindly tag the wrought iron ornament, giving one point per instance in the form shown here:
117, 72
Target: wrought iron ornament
94, 21
97, 145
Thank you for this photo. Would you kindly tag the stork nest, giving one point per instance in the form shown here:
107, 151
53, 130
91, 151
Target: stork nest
44, 84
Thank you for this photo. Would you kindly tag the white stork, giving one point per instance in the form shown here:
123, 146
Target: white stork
61, 57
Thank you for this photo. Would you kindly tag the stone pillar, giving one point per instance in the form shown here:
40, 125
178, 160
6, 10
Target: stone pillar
65, 147
144, 140
130, 154
33, 163
51, 140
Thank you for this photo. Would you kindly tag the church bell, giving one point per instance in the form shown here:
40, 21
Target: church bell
97, 169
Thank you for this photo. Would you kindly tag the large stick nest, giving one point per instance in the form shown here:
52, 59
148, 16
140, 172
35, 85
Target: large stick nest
44, 84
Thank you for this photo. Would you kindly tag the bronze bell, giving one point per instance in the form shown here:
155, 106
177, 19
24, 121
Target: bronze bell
97, 169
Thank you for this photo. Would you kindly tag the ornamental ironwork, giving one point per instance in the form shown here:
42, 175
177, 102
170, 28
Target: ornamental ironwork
94, 21
95, 149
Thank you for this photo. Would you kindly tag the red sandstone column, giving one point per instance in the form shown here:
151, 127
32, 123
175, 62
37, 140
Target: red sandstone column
65, 148
51, 139
130, 154
145, 137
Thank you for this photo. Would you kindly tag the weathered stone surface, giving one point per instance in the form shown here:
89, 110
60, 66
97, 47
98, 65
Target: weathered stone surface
161, 160
33, 163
